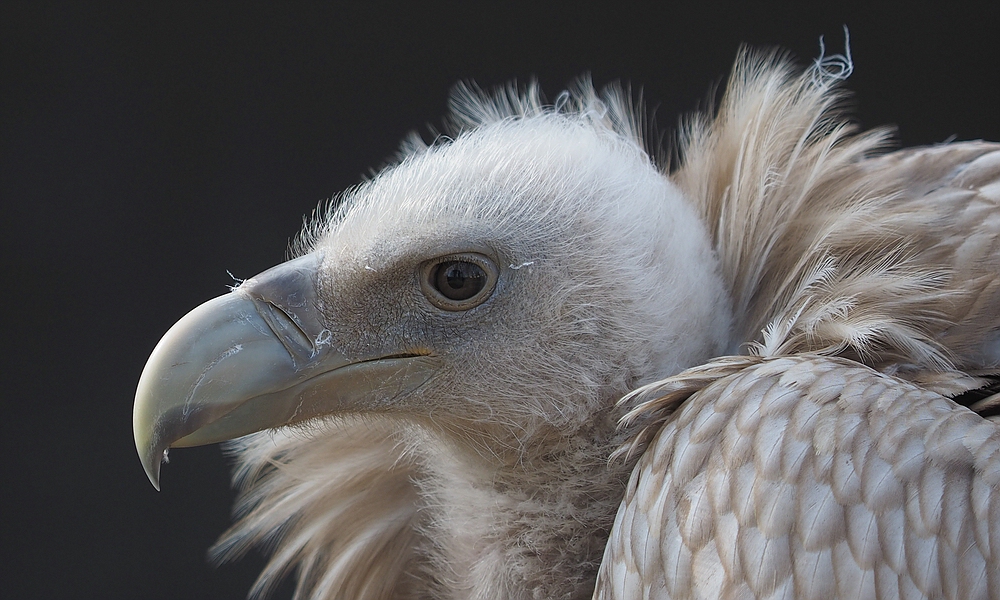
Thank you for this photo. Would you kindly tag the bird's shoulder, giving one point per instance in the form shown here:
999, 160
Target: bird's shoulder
809, 475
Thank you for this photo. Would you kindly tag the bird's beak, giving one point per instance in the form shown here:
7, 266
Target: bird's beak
257, 358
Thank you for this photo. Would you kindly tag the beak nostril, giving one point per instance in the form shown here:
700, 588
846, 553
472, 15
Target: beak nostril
287, 330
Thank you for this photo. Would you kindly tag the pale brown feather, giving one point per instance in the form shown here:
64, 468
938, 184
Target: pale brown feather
843, 263
810, 477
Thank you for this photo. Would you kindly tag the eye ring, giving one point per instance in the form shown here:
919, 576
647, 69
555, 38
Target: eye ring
457, 282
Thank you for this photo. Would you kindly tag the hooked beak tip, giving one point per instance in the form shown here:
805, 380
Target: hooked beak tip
151, 464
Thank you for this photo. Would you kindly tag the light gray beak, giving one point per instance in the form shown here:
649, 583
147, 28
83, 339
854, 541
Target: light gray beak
257, 358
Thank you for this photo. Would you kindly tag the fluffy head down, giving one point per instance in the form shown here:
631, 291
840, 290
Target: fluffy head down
598, 252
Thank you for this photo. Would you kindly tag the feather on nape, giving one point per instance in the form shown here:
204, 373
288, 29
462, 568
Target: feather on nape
831, 460
833, 247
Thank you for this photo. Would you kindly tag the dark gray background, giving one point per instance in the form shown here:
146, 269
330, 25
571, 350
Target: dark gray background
146, 151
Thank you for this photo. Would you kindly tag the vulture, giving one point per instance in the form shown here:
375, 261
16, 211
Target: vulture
542, 358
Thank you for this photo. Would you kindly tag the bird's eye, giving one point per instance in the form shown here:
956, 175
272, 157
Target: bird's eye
458, 282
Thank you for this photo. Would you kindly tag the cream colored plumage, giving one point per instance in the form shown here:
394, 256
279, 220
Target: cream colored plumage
797, 472
810, 477
769, 336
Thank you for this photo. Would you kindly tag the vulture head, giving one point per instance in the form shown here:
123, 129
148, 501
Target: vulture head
434, 376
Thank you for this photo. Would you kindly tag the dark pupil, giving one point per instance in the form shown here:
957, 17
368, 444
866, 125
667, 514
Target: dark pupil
460, 280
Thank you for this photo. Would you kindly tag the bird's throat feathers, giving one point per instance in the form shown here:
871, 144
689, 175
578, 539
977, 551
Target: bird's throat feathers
404, 509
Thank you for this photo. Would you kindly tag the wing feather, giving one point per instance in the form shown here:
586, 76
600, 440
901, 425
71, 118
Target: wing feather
863, 521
